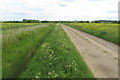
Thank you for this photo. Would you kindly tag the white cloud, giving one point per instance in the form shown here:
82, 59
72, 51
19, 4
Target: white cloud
58, 9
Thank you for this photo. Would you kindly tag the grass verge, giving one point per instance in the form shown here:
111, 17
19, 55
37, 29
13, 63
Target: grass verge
18, 49
57, 58
7, 26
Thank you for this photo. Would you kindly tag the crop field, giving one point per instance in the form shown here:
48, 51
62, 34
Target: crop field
42, 51
105, 31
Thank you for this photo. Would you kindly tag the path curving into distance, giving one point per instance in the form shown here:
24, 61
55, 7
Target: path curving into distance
100, 55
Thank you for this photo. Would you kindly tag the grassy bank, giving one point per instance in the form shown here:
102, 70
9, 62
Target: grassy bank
105, 31
6, 26
18, 47
57, 58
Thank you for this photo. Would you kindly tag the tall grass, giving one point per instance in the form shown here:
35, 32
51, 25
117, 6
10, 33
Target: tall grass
18, 47
57, 58
6, 26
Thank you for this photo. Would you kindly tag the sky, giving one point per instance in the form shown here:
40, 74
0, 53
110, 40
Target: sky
59, 10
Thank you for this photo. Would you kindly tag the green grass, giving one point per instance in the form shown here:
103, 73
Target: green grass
18, 47
0, 52
57, 58
105, 31
6, 26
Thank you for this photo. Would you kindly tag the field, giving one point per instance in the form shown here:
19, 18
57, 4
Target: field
18, 46
6, 26
107, 31
37, 50
42, 51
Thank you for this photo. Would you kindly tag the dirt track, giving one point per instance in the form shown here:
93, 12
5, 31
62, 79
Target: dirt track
100, 55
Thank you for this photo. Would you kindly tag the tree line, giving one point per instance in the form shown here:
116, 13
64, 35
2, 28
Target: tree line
23, 21
37, 21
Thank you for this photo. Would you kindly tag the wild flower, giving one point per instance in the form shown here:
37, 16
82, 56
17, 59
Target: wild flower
53, 71
62, 45
42, 49
45, 44
75, 63
50, 63
44, 56
75, 69
49, 73
66, 51
36, 76
39, 73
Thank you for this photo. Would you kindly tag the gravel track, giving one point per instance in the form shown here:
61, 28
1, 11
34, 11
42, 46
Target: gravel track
100, 55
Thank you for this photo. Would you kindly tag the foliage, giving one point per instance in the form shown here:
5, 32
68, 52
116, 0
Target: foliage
57, 58
30, 21
6, 26
75, 21
18, 47
23, 21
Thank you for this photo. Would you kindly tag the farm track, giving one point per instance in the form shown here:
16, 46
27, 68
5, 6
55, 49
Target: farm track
100, 55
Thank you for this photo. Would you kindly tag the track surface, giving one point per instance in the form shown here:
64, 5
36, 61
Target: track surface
100, 55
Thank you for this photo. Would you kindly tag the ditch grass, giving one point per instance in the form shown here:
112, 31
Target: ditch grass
7, 26
105, 31
17, 52
57, 58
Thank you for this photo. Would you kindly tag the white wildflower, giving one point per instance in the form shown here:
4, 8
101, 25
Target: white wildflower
36, 76
39, 73
49, 73
75, 69
55, 75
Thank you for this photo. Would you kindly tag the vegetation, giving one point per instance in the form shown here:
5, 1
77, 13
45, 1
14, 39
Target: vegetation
43, 51
18, 47
97, 21
45, 21
105, 21
23, 21
30, 21
106, 31
6, 26
57, 58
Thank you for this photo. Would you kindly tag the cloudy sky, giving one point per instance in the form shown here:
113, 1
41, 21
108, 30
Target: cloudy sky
59, 9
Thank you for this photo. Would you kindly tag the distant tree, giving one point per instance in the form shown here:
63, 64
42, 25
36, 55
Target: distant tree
119, 22
44, 21
30, 21
24, 20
